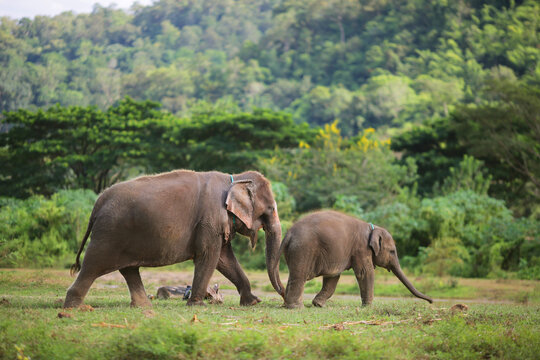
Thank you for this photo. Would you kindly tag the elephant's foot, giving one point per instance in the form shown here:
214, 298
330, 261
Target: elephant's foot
192, 302
144, 303
71, 304
318, 302
298, 305
249, 300
72, 301
365, 303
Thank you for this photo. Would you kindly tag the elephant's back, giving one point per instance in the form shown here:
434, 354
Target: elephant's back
324, 236
148, 195
325, 222
149, 215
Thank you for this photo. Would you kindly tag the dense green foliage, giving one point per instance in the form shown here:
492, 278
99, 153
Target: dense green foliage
421, 116
43, 232
503, 130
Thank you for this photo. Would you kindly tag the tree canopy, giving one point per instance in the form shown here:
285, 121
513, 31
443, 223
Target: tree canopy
80, 147
366, 63
84, 147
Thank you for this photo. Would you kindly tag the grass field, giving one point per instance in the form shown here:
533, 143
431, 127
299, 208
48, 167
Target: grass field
502, 321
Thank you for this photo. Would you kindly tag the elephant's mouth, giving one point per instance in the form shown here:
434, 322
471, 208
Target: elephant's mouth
253, 238
252, 234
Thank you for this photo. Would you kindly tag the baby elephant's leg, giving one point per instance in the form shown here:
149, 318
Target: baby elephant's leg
294, 292
327, 290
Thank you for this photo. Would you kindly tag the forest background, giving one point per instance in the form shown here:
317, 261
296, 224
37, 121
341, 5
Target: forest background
420, 116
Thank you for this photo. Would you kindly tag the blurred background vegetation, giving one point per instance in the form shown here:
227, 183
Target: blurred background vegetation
420, 116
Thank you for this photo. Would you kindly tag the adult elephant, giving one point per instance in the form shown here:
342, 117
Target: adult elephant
326, 243
173, 217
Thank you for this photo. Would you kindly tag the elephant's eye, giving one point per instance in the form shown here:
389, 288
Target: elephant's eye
393, 252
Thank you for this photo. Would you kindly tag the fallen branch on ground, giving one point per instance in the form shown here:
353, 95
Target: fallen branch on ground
341, 325
107, 325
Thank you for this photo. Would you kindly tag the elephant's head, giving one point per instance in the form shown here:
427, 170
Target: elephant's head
385, 255
251, 200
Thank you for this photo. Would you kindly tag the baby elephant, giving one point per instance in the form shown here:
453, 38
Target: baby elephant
326, 243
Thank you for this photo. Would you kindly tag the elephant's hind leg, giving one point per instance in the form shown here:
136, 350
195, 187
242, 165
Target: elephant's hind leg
78, 290
294, 292
327, 290
136, 287
206, 260
230, 268
299, 263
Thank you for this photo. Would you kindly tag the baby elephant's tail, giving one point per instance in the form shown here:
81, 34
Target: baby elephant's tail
77, 266
285, 242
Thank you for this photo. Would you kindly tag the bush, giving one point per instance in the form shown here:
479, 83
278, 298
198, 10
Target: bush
529, 271
447, 256
40, 231
349, 204
285, 202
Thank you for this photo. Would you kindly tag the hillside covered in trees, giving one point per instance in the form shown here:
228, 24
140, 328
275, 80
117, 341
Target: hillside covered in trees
422, 116
367, 63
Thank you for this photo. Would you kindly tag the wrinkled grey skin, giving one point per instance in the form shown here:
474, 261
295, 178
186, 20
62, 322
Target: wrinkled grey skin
173, 217
326, 243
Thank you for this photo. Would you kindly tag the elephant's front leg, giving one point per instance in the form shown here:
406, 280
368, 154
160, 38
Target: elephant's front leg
205, 259
365, 276
231, 269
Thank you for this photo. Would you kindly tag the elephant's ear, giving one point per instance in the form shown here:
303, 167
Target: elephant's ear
375, 240
240, 201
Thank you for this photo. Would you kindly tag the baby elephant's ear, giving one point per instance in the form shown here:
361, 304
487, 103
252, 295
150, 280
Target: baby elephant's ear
240, 201
375, 240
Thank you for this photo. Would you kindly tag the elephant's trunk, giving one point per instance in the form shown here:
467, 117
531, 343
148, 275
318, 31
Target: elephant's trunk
401, 276
273, 240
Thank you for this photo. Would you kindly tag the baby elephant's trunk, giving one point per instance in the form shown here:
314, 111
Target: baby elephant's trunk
401, 276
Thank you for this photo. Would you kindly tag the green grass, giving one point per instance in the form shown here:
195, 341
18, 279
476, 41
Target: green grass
396, 329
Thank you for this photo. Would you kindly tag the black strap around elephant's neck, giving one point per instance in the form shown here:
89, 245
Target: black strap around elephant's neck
233, 217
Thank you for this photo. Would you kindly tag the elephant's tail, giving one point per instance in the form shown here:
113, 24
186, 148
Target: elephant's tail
77, 266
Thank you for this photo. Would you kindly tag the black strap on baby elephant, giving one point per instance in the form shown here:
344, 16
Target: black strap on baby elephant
372, 227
